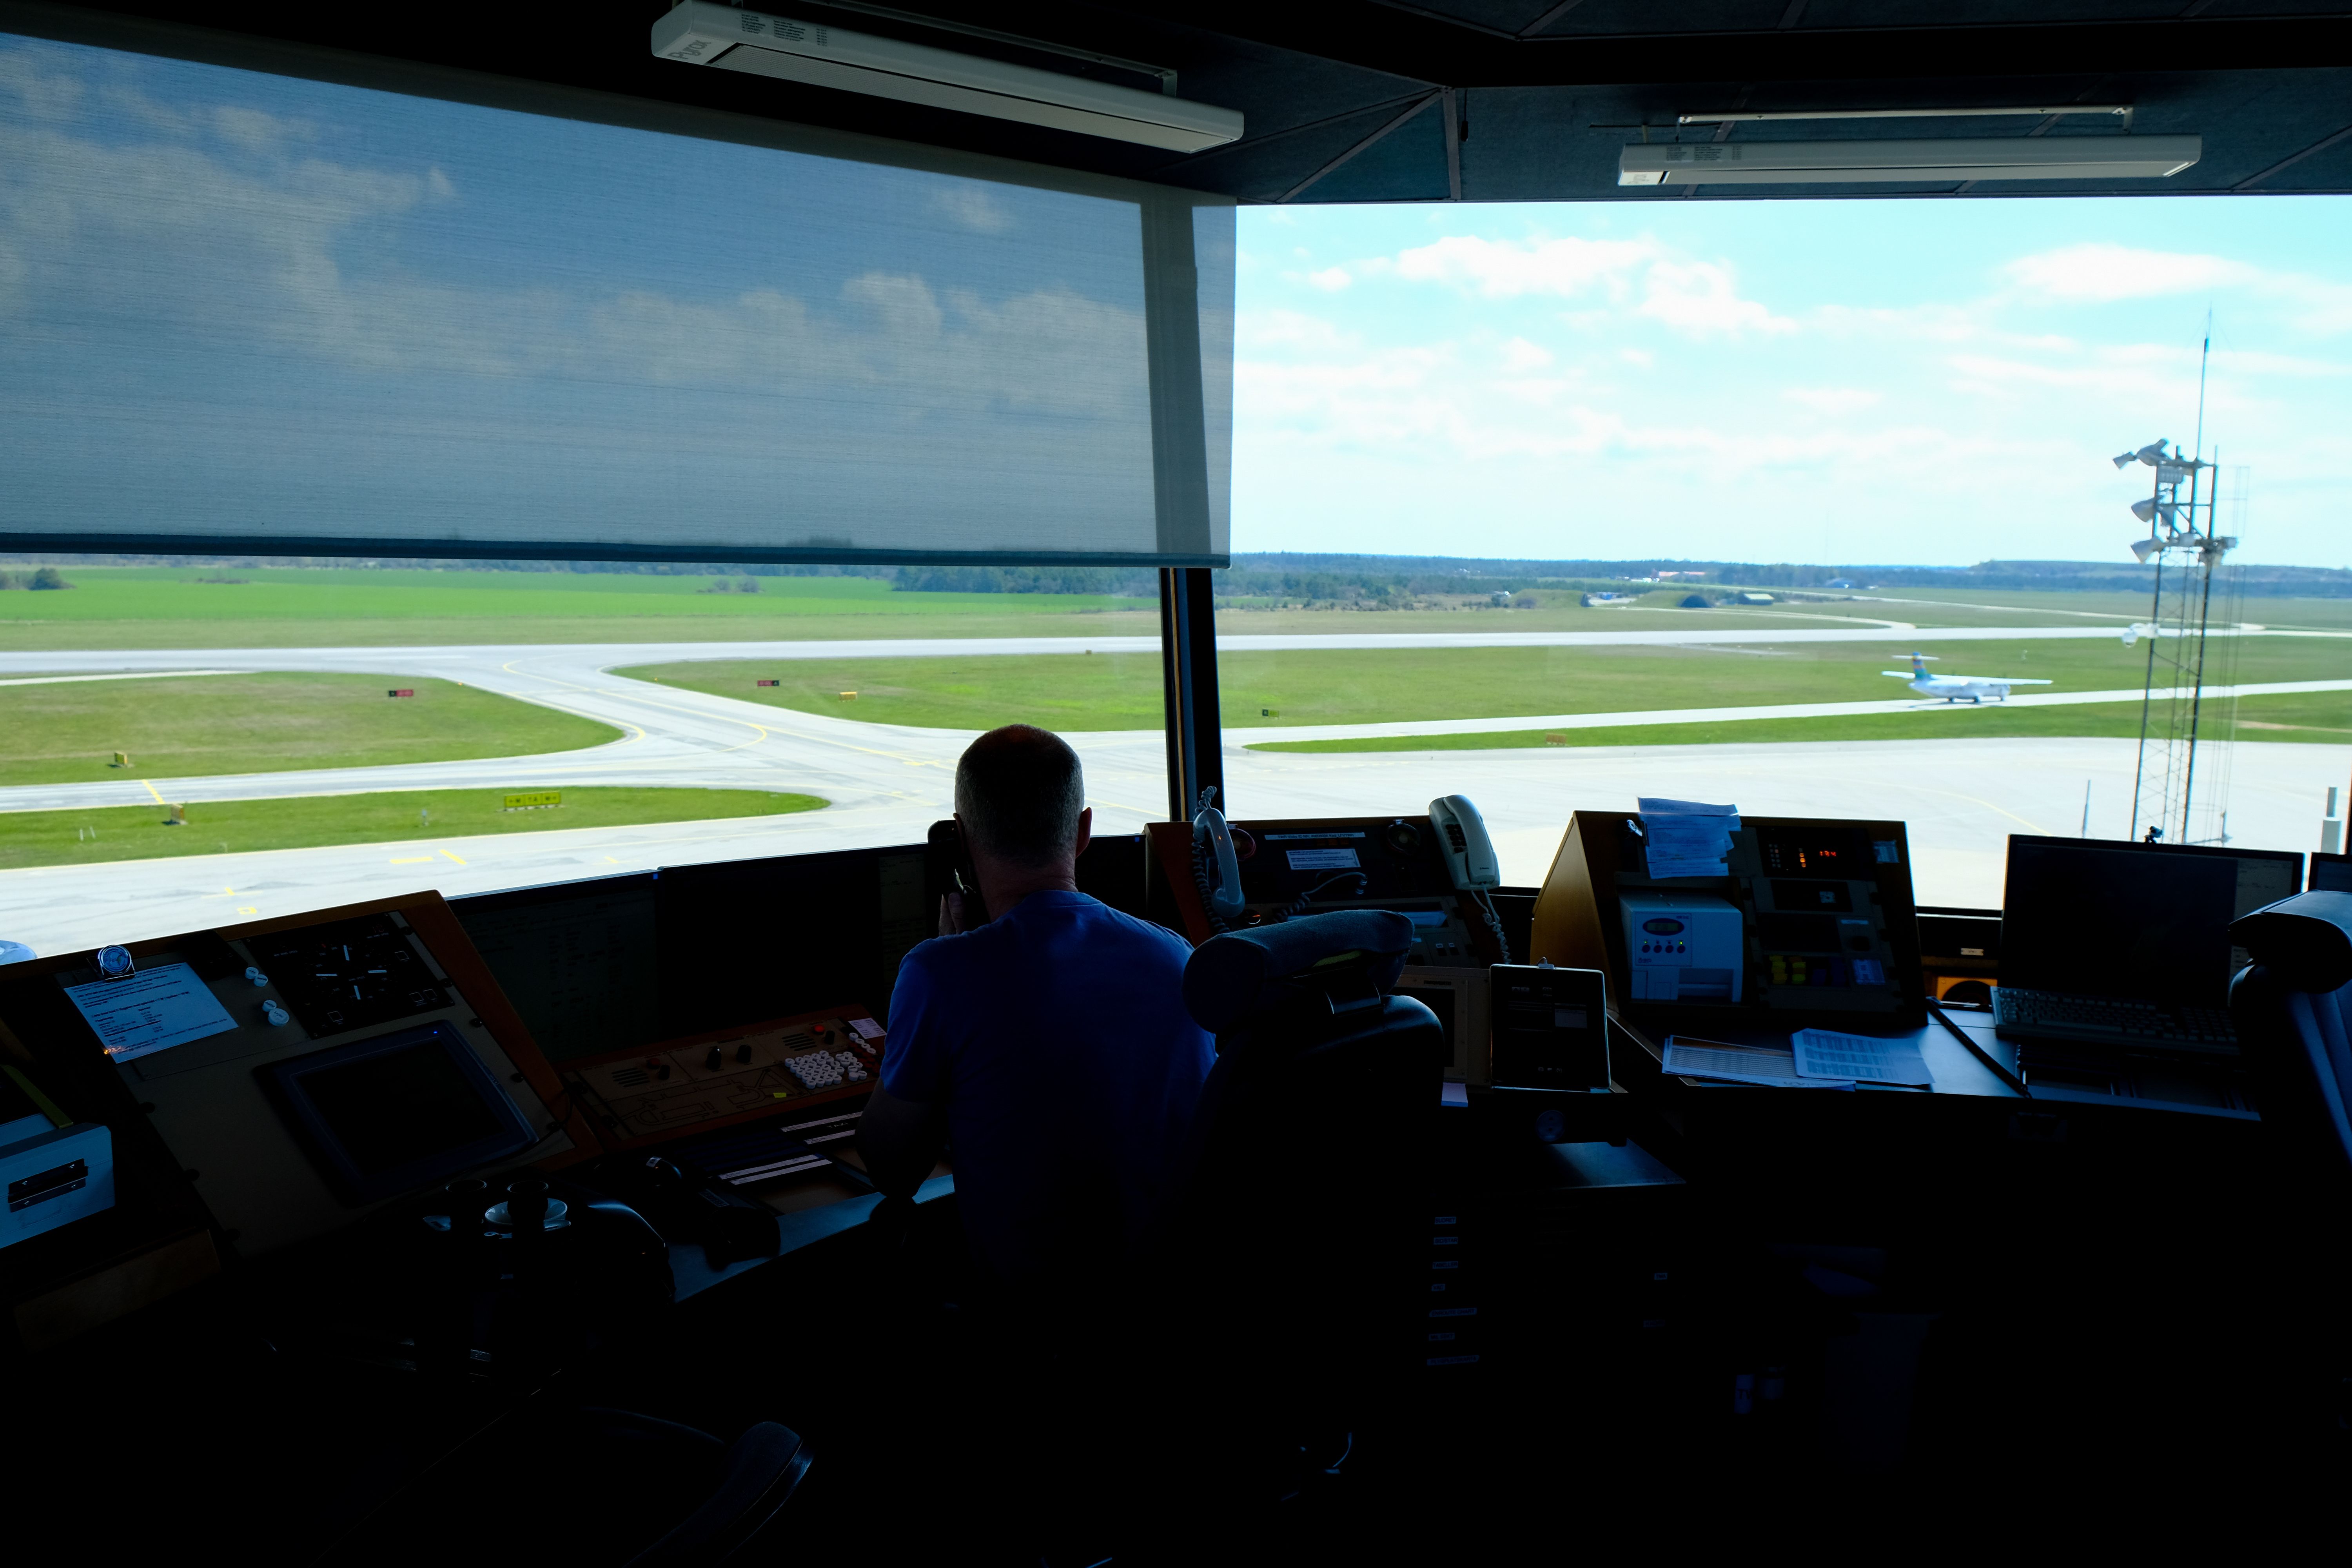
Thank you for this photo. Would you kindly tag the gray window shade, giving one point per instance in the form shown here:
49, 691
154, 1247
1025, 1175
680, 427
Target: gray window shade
249, 312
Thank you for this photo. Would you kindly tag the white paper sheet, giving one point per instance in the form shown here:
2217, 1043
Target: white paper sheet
1741, 1064
153, 1011
1687, 837
1826, 1053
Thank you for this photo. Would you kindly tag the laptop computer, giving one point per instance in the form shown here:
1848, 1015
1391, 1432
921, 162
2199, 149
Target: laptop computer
2125, 946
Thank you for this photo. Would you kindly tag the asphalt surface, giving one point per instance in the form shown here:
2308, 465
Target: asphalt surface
887, 783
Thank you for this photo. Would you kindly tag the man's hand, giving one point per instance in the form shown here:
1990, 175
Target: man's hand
951, 914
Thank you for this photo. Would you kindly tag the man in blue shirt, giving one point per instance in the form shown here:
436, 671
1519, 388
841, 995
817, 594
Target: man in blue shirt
1049, 1048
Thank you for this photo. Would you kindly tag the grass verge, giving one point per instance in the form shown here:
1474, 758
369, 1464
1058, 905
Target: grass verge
180, 727
418, 821
1368, 686
2324, 717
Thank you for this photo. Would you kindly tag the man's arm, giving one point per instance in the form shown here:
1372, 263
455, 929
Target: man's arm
901, 1142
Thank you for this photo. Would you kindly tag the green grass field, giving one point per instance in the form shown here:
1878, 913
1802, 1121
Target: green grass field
1314, 685
197, 607
210, 724
421, 821
192, 607
2322, 717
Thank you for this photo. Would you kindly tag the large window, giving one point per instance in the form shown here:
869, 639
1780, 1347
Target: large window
1552, 508
1593, 503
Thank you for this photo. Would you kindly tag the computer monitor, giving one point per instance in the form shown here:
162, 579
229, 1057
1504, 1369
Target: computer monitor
400, 1111
2090, 917
2330, 874
579, 961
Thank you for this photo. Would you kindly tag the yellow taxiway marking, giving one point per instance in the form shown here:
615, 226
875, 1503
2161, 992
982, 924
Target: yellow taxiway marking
154, 791
410, 860
446, 855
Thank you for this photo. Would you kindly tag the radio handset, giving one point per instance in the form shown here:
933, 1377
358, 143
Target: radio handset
948, 870
1217, 870
1470, 857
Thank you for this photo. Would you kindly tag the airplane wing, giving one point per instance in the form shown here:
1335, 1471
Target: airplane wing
1899, 673
1996, 679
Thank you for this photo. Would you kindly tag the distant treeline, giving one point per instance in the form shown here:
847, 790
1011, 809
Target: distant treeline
1305, 578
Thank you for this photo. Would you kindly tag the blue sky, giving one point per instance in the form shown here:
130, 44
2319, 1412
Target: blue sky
1860, 381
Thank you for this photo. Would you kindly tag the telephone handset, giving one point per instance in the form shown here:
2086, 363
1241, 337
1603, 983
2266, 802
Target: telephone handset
948, 870
1462, 833
1470, 857
1217, 870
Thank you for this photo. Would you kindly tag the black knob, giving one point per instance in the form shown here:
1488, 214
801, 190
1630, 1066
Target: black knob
526, 1205
743, 1052
716, 1059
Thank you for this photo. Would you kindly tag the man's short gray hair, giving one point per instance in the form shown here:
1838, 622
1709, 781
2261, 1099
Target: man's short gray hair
1019, 791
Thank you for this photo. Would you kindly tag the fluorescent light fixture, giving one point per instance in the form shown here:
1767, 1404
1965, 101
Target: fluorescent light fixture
1866, 163
696, 33
1747, 116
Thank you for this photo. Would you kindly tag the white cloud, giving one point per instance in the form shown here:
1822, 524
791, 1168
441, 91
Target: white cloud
1518, 355
254, 131
1504, 270
1831, 399
43, 96
1332, 279
971, 205
2101, 274
1698, 298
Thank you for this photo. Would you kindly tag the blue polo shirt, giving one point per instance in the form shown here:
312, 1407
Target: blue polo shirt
1055, 1036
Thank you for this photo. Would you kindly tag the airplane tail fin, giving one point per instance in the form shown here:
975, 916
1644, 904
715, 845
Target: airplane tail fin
1918, 665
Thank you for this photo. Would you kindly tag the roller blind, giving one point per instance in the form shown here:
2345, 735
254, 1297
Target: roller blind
242, 311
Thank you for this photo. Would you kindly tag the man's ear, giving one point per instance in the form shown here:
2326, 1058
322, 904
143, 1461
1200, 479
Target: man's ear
1086, 831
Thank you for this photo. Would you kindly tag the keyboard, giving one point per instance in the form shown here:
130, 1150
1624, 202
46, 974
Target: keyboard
2110, 1021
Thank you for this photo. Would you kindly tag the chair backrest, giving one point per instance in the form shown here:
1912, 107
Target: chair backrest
1305, 1143
2293, 1008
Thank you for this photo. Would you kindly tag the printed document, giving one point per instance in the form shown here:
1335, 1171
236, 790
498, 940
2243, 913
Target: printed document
153, 1011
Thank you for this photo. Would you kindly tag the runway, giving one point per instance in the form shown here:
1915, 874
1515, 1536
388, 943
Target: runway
887, 783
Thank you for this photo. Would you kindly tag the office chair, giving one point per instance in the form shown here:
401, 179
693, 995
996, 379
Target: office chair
589, 1486
1298, 1248
2293, 1009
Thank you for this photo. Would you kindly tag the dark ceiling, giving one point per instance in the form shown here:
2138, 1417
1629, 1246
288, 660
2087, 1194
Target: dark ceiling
1381, 101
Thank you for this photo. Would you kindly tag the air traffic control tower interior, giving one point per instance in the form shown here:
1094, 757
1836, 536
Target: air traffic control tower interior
540, 1224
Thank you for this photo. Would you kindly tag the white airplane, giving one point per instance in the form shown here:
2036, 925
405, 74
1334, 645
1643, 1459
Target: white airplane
1952, 687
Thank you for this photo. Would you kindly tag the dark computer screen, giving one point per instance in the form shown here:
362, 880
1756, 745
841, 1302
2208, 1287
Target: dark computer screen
746, 939
399, 1112
579, 961
395, 1110
2330, 874
2101, 918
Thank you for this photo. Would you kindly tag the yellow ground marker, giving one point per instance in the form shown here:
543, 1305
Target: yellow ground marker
154, 791
449, 855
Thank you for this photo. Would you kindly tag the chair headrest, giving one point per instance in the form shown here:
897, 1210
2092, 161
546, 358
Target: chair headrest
2306, 939
1265, 968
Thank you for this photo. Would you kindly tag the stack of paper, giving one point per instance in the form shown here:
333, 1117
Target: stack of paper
1687, 837
1741, 1064
1825, 1054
